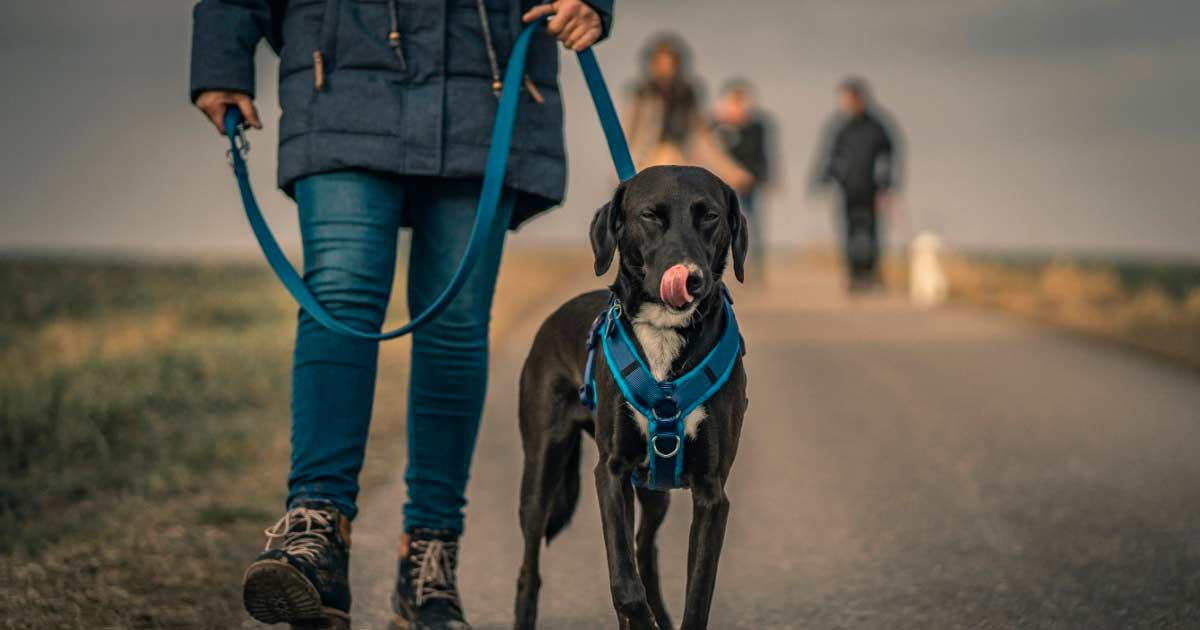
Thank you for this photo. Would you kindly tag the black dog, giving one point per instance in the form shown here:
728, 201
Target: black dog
664, 217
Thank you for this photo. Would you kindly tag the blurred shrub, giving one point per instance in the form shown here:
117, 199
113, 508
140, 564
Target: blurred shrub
1153, 306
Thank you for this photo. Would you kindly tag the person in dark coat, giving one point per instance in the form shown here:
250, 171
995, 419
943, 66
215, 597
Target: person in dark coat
387, 115
744, 131
861, 155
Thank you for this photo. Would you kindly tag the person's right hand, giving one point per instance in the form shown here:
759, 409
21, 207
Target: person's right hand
214, 103
575, 24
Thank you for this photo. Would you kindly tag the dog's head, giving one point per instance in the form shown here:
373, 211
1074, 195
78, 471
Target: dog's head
674, 226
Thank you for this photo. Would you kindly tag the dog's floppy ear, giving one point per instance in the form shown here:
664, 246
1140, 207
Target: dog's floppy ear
606, 226
740, 232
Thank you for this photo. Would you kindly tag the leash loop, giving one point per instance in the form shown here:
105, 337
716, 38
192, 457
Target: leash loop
488, 213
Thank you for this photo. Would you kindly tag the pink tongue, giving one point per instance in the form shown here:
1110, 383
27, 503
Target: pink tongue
673, 288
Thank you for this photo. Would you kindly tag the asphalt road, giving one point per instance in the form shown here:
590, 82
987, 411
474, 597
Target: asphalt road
898, 469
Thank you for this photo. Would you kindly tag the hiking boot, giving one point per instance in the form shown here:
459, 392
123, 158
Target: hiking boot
426, 594
302, 576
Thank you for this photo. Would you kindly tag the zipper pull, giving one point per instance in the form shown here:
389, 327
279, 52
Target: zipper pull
394, 41
318, 70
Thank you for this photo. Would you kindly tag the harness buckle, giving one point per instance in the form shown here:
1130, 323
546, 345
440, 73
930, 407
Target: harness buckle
658, 451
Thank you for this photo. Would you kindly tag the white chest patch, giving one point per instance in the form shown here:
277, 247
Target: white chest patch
656, 330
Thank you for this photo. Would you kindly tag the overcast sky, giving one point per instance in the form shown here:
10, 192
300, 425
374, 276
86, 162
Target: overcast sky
1066, 125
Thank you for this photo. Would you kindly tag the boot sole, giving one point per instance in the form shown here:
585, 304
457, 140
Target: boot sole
274, 591
399, 622
401, 619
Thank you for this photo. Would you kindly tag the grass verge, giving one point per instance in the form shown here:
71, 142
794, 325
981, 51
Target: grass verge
144, 432
1149, 305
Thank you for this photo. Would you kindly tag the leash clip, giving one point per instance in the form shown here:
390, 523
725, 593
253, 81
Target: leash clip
240, 142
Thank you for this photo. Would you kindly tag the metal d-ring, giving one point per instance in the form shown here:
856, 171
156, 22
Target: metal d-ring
612, 318
654, 444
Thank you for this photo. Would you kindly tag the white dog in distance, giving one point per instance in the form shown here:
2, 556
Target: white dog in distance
926, 279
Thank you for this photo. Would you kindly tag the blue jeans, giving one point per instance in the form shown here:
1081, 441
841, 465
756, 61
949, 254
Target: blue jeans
349, 222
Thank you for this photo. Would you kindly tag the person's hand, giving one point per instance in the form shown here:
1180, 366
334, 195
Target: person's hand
214, 103
575, 24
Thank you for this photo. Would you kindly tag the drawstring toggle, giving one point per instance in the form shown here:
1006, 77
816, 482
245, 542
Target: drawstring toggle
394, 41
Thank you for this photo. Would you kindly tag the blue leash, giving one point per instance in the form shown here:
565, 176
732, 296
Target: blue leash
486, 214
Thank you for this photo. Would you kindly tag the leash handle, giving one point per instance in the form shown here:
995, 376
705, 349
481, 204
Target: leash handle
488, 213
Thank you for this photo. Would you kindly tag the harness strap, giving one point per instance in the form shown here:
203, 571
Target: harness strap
488, 213
665, 405
587, 391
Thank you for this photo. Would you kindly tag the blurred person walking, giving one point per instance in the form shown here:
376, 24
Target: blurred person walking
664, 116
744, 132
860, 154
387, 118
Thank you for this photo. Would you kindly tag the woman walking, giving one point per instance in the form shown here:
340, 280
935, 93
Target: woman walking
665, 119
387, 116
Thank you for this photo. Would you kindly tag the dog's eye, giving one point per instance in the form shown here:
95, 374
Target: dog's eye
712, 216
649, 215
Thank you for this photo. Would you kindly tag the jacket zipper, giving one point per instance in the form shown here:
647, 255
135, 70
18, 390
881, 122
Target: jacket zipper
324, 57
394, 36
493, 61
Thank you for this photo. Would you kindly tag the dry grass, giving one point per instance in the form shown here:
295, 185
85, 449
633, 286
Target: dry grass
144, 433
1152, 307
133, 398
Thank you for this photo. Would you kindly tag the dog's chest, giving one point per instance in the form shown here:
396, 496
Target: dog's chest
656, 330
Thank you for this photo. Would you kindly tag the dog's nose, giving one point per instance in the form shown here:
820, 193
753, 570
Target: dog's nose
695, 282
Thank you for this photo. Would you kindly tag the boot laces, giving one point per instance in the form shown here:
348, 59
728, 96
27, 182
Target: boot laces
434, 571
305, 532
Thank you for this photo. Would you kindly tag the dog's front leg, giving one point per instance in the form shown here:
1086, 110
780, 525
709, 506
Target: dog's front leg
710, 511
616, 514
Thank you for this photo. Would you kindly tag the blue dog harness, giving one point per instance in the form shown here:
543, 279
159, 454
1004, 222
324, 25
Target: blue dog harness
489, 198
667, 404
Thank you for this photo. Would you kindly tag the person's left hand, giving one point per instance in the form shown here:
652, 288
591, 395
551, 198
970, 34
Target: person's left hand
575, 24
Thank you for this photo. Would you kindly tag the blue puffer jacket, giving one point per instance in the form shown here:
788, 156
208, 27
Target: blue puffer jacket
352, 100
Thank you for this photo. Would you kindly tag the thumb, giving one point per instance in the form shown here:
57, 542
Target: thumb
249, 112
